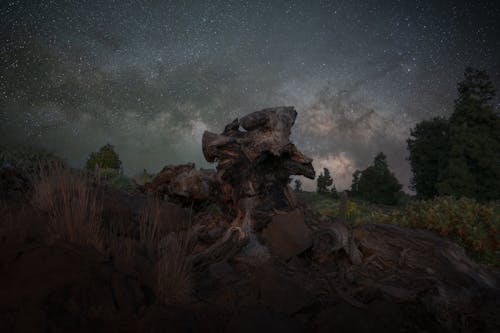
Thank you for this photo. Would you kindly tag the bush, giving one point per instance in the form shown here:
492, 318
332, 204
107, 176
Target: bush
28, 159
472, 224
72, 204
105, 158
115, 179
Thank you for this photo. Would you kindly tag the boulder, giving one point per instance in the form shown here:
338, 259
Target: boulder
287, 235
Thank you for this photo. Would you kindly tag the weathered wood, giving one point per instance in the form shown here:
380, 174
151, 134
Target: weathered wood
226, 247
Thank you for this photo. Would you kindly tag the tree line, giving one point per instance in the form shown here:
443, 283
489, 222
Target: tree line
457, 156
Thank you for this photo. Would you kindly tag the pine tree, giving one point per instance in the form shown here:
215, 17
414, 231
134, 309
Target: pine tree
324, 181
428, 147
378, 184
298, 185
355, 183
473, 168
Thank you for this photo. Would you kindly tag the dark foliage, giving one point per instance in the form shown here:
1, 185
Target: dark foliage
324, 181
460, 156
473, 168
298, 186
105, 158
428, 147
377, 184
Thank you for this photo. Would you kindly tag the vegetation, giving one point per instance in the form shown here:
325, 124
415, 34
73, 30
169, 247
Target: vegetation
174, 277
428, 146
28, 159
472, 224
298, 186
377, 184
460, 156
170, 252
105, 158
324, 181
72, 205
115, 179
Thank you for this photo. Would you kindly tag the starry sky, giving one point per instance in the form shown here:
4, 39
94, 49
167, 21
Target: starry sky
150, 76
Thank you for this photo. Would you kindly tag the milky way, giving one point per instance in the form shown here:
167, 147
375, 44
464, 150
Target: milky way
150, 76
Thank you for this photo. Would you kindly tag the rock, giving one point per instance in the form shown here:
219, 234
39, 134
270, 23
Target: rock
287, 235
182, 183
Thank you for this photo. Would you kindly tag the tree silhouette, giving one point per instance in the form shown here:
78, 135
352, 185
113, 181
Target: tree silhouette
298, 186
473, 163
355, 183
324, 181
428, 146
378, 184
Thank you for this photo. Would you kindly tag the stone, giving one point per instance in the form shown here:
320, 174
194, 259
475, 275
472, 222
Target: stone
287, 235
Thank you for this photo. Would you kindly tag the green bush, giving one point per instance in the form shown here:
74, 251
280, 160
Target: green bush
105, 158
121, 182
473, 225
358, 211
114, 178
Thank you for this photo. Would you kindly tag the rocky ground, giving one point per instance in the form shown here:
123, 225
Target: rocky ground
60, 286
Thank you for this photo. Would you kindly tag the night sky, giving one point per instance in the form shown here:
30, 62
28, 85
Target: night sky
150, 76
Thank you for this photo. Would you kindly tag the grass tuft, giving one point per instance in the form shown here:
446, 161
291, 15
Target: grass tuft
174, 269
72, 204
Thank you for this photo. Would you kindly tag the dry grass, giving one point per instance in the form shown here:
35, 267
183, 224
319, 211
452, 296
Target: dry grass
174, 269
75, 212
72, 204
149, 227
170, 253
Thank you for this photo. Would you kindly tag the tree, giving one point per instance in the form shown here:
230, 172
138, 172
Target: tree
378, 184
298, 186
324, 181
428, 146
105, 158
355, 183
472, 168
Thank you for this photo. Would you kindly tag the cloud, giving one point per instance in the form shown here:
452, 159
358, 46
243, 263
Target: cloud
344, 132
341, 167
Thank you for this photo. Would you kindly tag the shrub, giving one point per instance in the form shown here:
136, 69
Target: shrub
114, 178
105, 158
472, 224
28, 159
72, 204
